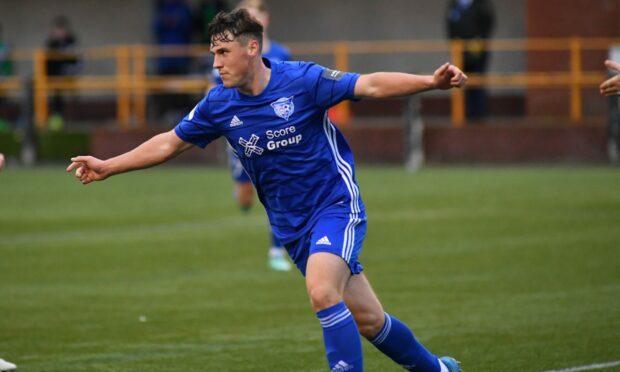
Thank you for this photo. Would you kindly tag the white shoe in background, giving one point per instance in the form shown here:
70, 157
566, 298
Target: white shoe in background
6, 366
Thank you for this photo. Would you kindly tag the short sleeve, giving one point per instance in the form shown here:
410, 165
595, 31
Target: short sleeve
329, 87
196, 128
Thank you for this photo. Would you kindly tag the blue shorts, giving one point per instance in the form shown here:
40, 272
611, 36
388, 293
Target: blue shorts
336, 233
236, 169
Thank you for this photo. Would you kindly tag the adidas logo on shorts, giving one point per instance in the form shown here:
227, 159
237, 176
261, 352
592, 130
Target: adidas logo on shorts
323, 241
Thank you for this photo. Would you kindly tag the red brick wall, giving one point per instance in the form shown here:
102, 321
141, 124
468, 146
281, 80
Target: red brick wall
566, 18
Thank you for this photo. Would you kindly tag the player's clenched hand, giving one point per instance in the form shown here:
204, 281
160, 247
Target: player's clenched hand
611, 86
449, 76
88, 169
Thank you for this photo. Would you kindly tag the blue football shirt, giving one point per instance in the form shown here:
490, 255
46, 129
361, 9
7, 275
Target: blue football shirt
297, 159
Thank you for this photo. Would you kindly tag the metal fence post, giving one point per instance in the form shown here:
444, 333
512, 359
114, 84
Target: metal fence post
414, 134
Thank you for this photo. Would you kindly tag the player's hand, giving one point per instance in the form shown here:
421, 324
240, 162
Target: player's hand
611, 86
88, 169
449, 76
1, 161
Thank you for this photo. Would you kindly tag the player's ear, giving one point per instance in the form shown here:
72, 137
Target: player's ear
254, 47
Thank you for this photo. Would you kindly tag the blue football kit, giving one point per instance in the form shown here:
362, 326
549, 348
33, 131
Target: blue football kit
303, 172
299, 162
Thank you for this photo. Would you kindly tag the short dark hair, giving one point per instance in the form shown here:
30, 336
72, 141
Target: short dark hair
228, 26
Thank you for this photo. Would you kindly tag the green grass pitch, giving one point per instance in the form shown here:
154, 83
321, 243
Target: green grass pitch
507, 269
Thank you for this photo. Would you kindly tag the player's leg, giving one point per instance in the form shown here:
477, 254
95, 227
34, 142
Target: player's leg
387, 333
277, 255
327, 258
326, 277
244, 192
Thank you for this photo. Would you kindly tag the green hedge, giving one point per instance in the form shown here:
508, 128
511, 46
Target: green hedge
50, 145
62, 145
9, 144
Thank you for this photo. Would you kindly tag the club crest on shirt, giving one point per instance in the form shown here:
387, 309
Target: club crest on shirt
284, 107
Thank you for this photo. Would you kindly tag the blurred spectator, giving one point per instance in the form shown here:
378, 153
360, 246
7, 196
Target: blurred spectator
173, 26
6, 65
6, 69
611, 89
207, 9
472, 21
62, 60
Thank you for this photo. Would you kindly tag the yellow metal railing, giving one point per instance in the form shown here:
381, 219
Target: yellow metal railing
131, 84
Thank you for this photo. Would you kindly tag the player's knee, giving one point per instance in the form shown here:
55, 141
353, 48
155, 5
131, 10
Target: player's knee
369, 323
323, 296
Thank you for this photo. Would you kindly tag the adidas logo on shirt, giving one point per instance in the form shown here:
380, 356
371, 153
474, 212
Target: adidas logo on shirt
323, 241
235, 122
342, 366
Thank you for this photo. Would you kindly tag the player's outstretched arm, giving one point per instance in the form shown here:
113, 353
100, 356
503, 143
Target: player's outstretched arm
155, 151
396, 84
611, 86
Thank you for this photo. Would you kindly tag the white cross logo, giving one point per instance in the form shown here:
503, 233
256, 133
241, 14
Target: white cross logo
250, 146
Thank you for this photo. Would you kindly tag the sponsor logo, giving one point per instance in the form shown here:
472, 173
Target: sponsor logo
342, 366
323, 241
250, 145
272, 145
235, 122
278, 138
284, 107
277, 134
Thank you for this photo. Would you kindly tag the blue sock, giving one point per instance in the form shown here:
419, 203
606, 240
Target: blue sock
342, 339
396, 341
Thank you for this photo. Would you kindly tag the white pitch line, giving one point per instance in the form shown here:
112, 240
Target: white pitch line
588, 367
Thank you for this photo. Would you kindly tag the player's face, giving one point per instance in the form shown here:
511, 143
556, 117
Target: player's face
232, 59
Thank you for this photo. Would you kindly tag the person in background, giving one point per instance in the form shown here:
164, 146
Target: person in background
173, 26
472, 21
204, 14
62, 61
6, 65
244, 190
6, 69
611, 86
